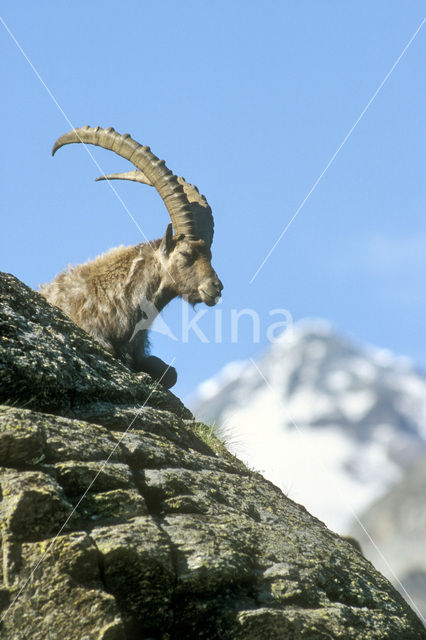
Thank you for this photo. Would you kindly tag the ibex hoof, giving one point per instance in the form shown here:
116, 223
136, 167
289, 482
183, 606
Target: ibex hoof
157, 369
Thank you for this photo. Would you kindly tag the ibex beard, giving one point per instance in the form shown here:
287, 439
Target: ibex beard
106, 296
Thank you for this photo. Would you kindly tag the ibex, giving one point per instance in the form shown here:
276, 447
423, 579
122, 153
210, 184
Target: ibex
112, 296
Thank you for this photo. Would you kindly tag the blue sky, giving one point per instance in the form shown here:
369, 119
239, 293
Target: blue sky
249, 101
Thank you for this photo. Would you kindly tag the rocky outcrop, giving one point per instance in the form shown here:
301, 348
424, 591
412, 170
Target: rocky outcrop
122, 518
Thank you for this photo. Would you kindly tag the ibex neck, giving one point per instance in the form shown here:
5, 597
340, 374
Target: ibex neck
162, 297
147, 281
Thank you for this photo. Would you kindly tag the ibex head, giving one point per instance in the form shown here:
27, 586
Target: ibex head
188, 265
186, 255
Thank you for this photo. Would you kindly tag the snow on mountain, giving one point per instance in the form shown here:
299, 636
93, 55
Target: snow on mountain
331, 423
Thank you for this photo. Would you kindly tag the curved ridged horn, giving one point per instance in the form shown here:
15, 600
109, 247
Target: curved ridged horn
136, 176
153, 168
202, 217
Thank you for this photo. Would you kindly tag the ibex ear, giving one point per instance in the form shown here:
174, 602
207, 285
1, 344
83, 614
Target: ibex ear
166, 245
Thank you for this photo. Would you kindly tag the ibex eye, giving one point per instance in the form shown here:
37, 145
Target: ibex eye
186, 254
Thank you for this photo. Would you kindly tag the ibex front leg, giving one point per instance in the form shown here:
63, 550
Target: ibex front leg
156, 367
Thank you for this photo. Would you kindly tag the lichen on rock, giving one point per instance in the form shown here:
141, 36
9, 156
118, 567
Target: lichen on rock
120, 522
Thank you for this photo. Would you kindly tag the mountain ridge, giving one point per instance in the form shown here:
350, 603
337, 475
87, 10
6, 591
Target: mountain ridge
356, 413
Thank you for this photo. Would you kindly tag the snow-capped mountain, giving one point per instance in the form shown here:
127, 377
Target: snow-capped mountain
331, 423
